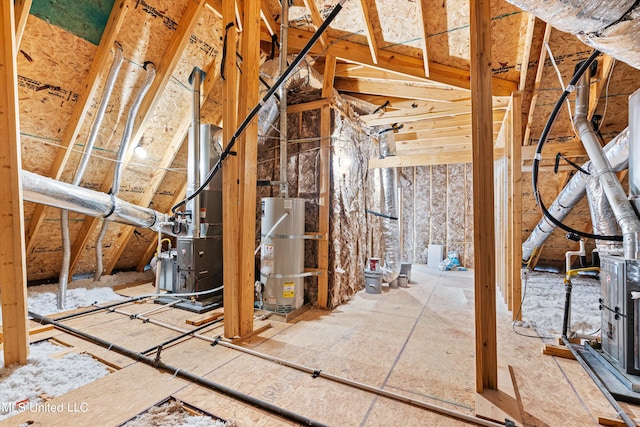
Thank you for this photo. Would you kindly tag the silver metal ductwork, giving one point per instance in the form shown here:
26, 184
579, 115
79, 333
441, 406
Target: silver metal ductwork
63, 277
611, 27
150, 68
304, 79
624, 213
634, 149
617, 153
390, 222
50, 192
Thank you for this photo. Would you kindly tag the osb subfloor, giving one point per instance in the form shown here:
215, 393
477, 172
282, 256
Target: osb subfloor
415, 341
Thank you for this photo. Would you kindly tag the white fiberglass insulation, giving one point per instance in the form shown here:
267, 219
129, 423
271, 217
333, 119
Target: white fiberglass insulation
172, 414
82, 293
23, 386
543, 304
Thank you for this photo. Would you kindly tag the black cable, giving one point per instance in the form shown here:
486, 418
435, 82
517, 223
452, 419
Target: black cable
543, 138
575, 165
224, 48
274, 43
285, 75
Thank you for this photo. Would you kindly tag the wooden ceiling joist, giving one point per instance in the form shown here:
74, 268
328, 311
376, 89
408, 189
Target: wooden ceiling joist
438, 157
551, 149
91, 84
450, 132
391, 61
449, 122
357, 71
401, 90
422, 113
163, 74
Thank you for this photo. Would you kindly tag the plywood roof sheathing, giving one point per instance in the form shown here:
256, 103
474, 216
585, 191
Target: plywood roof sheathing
163, 74
81, 108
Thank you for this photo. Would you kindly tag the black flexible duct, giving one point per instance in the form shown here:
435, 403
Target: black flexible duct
543, 138
228, 149
258, 403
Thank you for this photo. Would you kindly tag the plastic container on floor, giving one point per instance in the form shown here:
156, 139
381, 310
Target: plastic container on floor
403, 281
405, 268
373, 281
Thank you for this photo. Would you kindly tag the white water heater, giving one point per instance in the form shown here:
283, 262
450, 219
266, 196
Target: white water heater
282, 254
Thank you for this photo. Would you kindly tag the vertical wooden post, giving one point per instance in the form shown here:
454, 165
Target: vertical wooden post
230, 181
515, 214
323, 205
13, 277
483, 208
248, 163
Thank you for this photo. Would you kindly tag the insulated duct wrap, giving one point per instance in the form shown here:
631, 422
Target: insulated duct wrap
611, 27
617, 152
602, 218
50, 192
624, 213
390, 223
305, 80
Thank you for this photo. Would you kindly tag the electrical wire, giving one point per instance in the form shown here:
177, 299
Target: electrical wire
543, 138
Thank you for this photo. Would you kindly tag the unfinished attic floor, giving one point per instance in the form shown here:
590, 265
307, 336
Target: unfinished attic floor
416, 341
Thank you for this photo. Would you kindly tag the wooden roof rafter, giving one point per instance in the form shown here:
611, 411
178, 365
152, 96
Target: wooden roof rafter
316, 19
163, 74
396, 62
21, 10
536, 87
423, 21
91, 84
371, 28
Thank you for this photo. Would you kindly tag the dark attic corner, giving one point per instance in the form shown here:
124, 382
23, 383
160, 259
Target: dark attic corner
304, 212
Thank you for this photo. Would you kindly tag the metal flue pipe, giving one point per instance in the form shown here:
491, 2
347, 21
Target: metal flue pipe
284, 36
193, 173
622, 209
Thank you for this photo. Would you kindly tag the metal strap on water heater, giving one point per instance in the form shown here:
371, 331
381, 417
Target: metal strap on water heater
291, 276
294, 236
